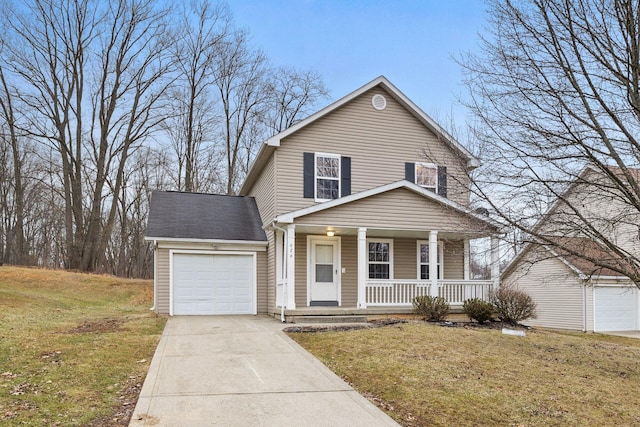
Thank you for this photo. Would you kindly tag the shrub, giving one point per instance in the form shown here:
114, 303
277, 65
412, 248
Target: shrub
478, 309
431, 308
513, 305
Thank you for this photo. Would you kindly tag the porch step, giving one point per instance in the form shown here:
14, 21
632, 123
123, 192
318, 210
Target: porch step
328, 319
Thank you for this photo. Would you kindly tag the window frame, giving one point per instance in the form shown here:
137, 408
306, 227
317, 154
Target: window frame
390, 262
419, 262
316, 177
429, 166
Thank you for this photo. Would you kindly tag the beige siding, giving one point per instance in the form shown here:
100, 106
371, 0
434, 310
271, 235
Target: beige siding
453, 254
261, 291
378, 142
349, 262
301, 270
162, 281
405, 258
264, 192
556, 290
399, 208
269, 278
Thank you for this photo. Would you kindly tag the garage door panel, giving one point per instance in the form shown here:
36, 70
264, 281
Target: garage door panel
209, 284
615, 309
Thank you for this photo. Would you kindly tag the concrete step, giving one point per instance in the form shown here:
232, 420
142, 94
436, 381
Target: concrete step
329, 319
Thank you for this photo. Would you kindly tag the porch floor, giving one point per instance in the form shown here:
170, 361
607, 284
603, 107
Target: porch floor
298, 315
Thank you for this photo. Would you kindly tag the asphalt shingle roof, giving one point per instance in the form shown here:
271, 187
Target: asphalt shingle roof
179, 215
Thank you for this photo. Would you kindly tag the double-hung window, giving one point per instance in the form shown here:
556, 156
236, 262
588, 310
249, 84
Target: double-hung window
380, 259
423, 260
427, 176
327, 176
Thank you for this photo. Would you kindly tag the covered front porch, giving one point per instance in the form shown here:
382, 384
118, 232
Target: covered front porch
325, 270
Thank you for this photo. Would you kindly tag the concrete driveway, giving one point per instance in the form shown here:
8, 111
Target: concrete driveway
244, 371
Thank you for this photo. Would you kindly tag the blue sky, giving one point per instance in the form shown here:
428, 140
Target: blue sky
350, 43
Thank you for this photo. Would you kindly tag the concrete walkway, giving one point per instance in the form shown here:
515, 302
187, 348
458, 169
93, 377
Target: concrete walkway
244, 371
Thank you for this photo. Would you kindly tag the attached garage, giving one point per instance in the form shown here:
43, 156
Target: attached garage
209, 254
209, 284
615, 308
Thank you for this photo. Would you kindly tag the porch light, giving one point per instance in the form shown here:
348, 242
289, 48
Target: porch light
331, 233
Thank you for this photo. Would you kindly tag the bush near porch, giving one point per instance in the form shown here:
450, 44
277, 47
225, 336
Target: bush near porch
424, 374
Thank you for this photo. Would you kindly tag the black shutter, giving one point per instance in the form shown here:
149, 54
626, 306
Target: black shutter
309, 169
345, 180
410, 172
442, 181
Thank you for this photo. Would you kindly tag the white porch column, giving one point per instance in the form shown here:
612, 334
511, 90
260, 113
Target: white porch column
362, 267
495, 261
467, 260
433, 263
280, 267
291, 267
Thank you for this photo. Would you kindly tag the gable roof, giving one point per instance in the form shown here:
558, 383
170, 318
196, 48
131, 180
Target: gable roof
196, 216
290, 217
272, 143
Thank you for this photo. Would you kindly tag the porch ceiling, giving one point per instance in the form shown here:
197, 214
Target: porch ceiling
384, 232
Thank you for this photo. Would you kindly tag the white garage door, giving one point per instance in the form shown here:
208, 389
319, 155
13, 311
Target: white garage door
616, 309
208, 284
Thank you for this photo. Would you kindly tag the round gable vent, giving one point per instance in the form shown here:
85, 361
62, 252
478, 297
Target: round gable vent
379, 102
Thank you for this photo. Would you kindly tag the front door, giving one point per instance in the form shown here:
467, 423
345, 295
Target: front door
324, 272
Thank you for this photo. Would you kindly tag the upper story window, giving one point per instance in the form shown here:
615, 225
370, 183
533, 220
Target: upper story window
427, 176
327, 176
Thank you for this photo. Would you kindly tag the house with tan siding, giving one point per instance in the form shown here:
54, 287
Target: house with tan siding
364, 205
577, 281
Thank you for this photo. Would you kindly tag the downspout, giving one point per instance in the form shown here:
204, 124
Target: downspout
284, 271
155, 274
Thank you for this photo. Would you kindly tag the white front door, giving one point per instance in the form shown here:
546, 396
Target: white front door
324, 289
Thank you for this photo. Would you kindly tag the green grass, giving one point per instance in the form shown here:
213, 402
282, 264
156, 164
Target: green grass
74, 348
427, 375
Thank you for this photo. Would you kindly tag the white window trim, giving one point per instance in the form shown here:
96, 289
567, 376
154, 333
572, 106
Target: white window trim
391, 267
440, 257
427, 165
315, 175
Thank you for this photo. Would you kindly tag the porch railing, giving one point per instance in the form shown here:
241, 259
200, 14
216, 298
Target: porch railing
402, 292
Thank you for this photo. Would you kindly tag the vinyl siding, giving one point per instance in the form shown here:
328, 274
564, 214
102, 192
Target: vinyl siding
405, 259
301, 270
164, 276
349, 279
557, 291
453, 259
264, 191
400, 209
378, 142
269, 277
162, 281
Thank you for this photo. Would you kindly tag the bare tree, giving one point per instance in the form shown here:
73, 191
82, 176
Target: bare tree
556, 93
240, 73
192, 123
293, 94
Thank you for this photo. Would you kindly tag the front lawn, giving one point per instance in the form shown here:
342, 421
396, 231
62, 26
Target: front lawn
428, 375
74, 348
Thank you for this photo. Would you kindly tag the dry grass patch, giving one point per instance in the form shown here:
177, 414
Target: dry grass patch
74, 348
423, 374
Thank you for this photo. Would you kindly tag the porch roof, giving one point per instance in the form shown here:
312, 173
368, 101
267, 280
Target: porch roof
390, 207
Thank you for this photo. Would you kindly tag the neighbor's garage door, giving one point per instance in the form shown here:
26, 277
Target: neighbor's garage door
616, 309
207, 284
